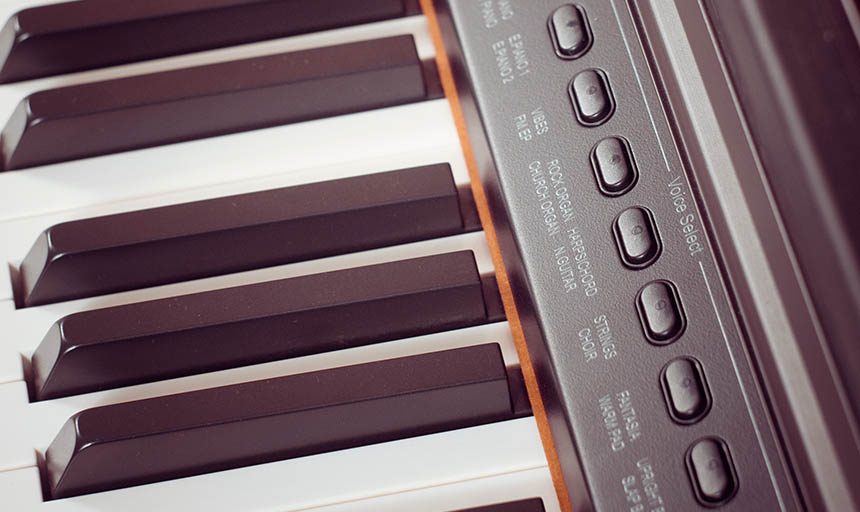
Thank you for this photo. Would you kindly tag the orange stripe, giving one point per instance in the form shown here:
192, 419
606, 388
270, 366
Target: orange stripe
450, 89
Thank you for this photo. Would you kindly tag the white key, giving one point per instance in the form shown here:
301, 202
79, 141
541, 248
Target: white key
9, 7
17, 235
520, 485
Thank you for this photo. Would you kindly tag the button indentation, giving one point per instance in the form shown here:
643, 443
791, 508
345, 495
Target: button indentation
685, 390
613, 166
711, 471
660, 311
570, 32
637, 237
591, 97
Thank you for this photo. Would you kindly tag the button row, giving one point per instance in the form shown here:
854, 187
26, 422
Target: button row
682, 380
589, 90
709, 464
592, 100
685, 390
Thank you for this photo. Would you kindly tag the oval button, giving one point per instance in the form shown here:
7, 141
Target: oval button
637, 238
685, 390
592, 100
613, 166
660, 311
711, 471
570, 33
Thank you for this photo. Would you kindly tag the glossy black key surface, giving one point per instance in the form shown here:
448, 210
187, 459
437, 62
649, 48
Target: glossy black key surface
74, 36
230, 234
660, 312
570, 33
215, 429
173, 106
637, 238
529, 505
711, 471
249, 324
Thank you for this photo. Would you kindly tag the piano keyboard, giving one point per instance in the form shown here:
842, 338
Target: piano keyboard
451, 457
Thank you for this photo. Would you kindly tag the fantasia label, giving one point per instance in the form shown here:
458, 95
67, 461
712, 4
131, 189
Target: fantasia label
620, 419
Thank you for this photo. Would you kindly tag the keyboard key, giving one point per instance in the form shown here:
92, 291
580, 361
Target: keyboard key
188, 241
711, 471
215, 429
74, 36
530, 505
172, 106
592, 101
660, 311
165, 338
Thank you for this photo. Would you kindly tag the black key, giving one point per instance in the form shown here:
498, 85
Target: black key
529, 505
685, 390
208, 331
173, 106
571, 36
216, 429
613, 166
592, 100
660, 312
74, 36
711, 471
230, 234
637, 237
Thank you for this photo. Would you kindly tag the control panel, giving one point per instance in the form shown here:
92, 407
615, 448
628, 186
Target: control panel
636, 347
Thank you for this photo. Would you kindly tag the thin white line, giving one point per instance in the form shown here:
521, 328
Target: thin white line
641, 89
743, 389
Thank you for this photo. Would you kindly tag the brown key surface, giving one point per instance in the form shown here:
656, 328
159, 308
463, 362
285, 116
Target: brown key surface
156, 246
215, 429
136, 112
74, 36
268, 321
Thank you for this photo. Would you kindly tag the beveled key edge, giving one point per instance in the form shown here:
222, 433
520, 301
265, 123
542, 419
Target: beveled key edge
36, 271
12, 36
68, 443
43, 116
50, 360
